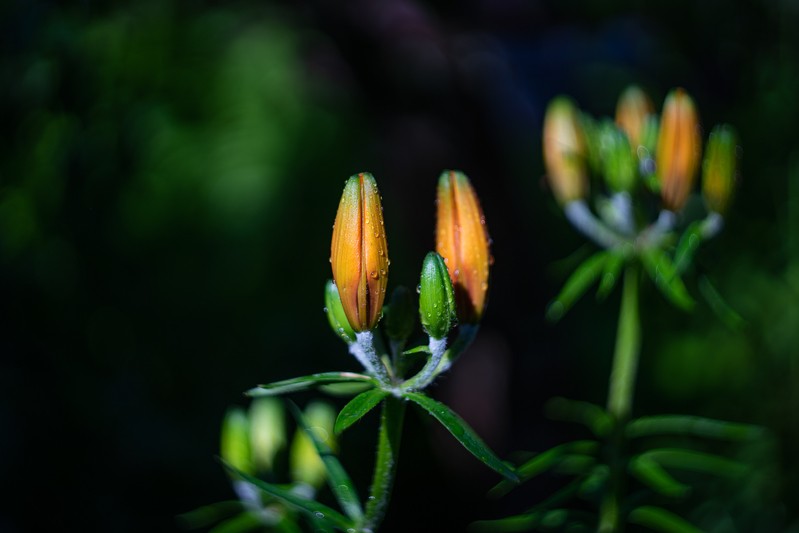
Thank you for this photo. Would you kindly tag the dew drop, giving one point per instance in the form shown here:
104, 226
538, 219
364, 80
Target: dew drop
380, 252
457, 272
324, 309
382, 272
490, 259
484, 285
418, 289
374, 275
317, 514
330, 260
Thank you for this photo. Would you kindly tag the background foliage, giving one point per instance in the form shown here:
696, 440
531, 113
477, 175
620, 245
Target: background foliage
169, 172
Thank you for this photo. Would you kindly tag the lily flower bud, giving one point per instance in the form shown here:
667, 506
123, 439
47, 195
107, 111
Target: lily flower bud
437, 308
305, 464
718, 169
359, 253
565, 151
399, 315
462, 240
678, 149
632, 112
335, 313
619, 165
235, 445
267, 431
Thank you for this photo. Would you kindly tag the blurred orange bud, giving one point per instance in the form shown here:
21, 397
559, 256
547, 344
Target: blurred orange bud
718, 169
632, 113
359, 252
565, 151
678, 149
462, 240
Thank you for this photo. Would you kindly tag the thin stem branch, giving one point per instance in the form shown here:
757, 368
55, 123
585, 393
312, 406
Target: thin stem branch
364, 351
388, 444
428, 373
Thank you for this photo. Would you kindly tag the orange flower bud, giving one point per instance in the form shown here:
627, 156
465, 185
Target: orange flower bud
632, 112
718, 170
359, 253
462, 240
679, 146
564, 151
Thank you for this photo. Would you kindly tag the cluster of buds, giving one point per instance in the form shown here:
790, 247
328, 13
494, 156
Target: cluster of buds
452, 287
639, 154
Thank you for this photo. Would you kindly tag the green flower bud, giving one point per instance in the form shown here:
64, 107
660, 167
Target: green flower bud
436, 297
335, 313
398, 315
718, 169
305, 464
267, 431
619, 164
235, 445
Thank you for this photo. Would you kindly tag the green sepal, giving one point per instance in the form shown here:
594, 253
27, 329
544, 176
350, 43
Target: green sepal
463, 433
436, 297
398, 315
654, 476
659, 519
335, 313
666, 279
419, 349
588, 414
545, 461
357, 408
581, 279
309, 507
693, 426
308, 382
338, 480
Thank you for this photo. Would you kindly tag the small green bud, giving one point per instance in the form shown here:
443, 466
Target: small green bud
335, 313
399, 317
267, 431
305, 464
619, 165
718, 169
235, 445
436, 297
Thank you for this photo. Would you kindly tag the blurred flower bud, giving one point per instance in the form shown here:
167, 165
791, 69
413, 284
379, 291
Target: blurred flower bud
335, 313
678, 149
619, 164
462, 240
235, 445
565, 151
359, 253
436, 297
305, 464
267, 431
632, 111
399, 314
718, 169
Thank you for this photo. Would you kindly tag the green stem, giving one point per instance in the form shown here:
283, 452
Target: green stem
620, 397
388, 445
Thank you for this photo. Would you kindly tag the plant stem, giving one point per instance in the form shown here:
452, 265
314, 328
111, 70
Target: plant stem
620, 396
427, 374
388, 444
364, 351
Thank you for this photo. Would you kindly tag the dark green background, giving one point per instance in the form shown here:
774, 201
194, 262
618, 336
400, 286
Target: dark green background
169, 175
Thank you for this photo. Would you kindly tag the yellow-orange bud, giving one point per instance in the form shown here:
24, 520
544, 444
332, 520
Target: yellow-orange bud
719, 168
632, 112
564, 151
462, 240
359, 252
679, 146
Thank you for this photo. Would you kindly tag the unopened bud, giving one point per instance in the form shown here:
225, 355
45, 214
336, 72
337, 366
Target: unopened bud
678, 149
718, 169
235, 445
632, 112
619, 164
565, 151
267, 431
305, 464
335, 313
436, 297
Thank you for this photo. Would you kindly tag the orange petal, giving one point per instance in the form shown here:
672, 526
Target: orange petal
679, 146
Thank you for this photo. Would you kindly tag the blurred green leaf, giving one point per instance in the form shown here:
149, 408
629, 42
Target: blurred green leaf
651, 474
210, 514
695, 461
581, 279
312, 508
307, 382
238, 524
338, 479
588, 414
357, 408
648, 426
545, 461
689, 242
660, 519
345, 389
662, 271
721, 308
610, 274
463, 433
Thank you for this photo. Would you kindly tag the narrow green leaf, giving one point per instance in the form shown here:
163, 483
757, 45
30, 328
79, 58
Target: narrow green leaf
667, 280
238, 524
337, 478
661, 520
648, 426
581, 279
419, 349
345, 390
610, 274
357, 408
210, 514
695, 461
463, 433
721, 308
307, 382
310, 507
651, 474
545, 461
689, 242
588, 414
